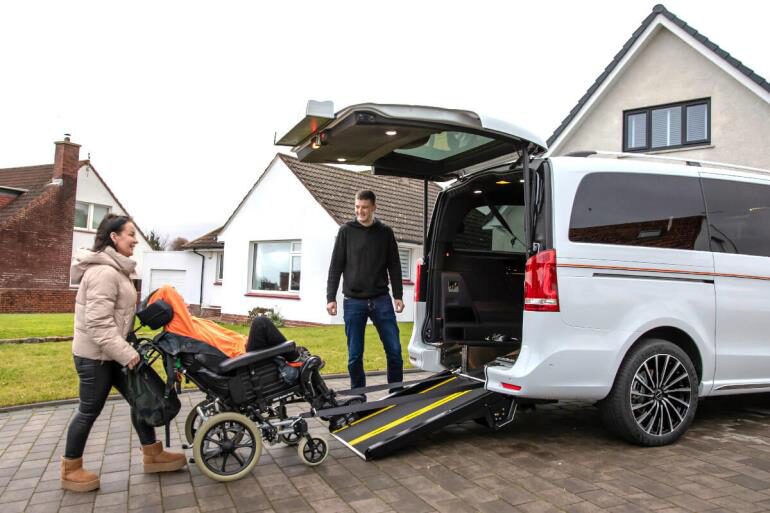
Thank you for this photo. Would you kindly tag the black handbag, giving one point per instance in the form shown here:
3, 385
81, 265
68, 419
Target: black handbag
152, 401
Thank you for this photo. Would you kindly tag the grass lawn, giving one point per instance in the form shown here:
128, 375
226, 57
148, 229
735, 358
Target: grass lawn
42, 372
36, 325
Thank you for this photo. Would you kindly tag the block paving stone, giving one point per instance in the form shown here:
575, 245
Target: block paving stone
556, 458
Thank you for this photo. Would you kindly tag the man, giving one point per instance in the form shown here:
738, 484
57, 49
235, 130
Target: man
365, 254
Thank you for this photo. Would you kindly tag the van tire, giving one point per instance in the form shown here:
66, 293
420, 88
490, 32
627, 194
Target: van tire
664, 400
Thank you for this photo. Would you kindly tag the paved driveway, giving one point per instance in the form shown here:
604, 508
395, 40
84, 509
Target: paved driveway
557, 458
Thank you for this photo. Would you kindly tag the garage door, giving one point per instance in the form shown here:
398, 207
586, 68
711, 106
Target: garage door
174, 277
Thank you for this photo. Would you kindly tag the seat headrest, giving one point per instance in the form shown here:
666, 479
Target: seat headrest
156, 315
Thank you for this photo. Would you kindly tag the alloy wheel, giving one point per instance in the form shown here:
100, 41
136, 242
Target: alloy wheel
661, 394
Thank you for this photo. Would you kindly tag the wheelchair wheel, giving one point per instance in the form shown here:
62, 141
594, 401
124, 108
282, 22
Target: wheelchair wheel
227, 446
193, 422
312, 454
292, 439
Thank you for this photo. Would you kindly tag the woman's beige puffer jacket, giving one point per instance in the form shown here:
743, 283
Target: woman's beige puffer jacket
104, 305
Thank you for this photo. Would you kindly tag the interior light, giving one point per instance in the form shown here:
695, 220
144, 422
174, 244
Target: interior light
521, 181
502, 182
477, 192
342, 159
390, 132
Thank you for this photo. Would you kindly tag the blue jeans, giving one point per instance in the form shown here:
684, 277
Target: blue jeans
380, 310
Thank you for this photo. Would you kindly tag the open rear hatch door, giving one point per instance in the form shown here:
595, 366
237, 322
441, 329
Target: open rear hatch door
427, 143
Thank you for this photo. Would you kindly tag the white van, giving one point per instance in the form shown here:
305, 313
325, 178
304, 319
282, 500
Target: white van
638, 284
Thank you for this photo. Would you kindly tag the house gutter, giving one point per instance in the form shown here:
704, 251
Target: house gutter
203, 267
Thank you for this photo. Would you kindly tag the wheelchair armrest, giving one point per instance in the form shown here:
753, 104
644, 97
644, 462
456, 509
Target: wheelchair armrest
253, 357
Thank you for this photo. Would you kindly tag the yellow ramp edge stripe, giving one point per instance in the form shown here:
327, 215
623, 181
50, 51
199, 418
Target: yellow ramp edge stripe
409, 417
391, 406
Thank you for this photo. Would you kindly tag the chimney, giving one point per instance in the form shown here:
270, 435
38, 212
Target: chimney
66, 158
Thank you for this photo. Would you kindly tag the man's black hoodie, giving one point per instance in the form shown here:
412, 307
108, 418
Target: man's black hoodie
365, 255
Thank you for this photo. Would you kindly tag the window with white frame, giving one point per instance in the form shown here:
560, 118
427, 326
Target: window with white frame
661, 127
89, 215
220, 266
405, 255
276, 266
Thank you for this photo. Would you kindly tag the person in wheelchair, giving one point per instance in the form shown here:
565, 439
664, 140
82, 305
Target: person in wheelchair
264, 344
262, 335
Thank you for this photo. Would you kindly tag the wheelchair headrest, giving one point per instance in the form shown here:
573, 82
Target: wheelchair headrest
156, 315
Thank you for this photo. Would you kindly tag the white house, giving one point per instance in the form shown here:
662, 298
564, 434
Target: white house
93, 201
672, 91
274, 250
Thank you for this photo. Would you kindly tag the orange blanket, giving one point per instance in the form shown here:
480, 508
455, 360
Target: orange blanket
227, 341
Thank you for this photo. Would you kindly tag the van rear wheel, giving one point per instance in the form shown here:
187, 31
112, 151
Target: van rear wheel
655, 395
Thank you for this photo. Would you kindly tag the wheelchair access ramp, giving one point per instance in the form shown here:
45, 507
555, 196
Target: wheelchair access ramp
380, 432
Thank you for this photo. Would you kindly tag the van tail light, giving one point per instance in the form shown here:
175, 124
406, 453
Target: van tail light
541, 293
418, 281
511, 386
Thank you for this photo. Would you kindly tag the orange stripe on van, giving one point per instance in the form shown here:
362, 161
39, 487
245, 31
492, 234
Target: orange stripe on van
665, 271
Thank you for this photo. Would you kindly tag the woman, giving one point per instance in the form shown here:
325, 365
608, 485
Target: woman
104, 313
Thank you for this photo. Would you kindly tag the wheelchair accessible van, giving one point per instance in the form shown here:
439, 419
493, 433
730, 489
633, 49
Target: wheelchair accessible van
246, 398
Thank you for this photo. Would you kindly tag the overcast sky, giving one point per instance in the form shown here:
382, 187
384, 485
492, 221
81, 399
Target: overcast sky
178, 102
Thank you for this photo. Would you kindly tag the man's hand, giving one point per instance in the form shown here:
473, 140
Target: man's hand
399, 306
331, 308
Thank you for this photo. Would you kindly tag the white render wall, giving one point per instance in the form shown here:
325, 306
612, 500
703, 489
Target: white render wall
280, 208
212, 292
90, 189
190, 263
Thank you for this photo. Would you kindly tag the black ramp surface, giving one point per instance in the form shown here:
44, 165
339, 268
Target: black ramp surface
383, 431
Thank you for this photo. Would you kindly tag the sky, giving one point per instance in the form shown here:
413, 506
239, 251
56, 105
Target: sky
177, 102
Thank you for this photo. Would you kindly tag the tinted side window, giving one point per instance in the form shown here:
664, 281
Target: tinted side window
658, 211
739, 216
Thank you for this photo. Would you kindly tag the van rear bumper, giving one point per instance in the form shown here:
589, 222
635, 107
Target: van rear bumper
421, 355
579, 374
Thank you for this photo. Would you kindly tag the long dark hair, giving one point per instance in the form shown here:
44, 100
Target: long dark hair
111, 223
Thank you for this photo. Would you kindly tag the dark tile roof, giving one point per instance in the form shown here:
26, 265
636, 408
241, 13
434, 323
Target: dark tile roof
657, 10
31, 178
208, 241
399, 200
35, 180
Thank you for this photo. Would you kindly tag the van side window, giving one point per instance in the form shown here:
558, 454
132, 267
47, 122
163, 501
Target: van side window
480, 230
636, 209
739, 216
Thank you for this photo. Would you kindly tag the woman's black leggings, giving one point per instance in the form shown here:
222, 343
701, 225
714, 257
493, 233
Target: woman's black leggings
96, 379
264, 334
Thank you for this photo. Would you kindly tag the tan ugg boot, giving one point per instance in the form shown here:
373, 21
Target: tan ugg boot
158, 460
75, 478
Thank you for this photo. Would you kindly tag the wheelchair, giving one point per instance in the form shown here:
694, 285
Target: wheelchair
246, 398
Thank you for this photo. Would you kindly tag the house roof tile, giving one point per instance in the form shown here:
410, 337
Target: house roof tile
33, 179
207, 241
399, 200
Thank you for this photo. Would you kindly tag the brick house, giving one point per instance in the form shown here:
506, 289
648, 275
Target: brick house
47, 212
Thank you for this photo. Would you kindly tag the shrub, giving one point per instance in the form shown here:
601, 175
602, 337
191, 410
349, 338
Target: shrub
272, 314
